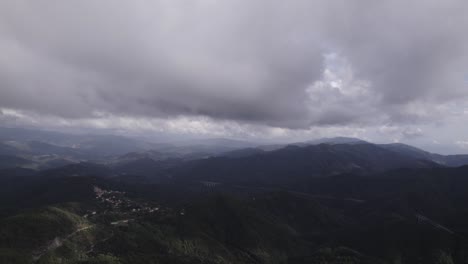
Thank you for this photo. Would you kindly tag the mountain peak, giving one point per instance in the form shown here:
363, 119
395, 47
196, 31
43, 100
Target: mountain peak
336, 140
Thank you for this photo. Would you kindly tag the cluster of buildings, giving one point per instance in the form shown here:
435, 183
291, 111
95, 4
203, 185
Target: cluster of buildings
116, 201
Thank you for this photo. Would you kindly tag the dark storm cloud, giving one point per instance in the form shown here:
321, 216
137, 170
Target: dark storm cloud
249, 61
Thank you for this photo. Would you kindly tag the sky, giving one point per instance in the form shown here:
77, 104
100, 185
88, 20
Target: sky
263, 70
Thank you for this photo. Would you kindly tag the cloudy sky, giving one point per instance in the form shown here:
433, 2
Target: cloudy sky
385, 71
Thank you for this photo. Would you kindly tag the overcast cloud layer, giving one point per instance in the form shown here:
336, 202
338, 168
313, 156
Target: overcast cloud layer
286, 67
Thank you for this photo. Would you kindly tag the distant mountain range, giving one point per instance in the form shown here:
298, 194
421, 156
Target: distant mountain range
293, 164
98, 199
328, 156
38, 145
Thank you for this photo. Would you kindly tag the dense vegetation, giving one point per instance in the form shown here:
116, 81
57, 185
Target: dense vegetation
327, 203
405, 216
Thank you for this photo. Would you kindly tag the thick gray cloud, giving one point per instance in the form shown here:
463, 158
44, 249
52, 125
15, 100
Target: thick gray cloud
290, 64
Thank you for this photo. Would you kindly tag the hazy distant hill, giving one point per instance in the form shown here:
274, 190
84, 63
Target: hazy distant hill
79, 145
412, 152
13, 161
328, 156
295, 163
334, 141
